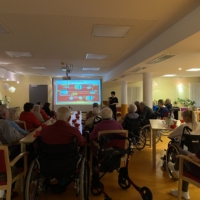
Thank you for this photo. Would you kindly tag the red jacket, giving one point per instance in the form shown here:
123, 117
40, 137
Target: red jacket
30, 119
44, 115
61, 132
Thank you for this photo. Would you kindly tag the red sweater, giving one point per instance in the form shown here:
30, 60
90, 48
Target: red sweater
61, 132
44, 115
30, 119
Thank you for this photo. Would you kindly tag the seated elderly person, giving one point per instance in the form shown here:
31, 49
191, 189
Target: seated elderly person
147, 113
28, 116
42, 112
190, 121
9, 136
189, 167
132, 108
11, 121
90, 113
162, 111
61, 132
95, 119
36, 110
168, 104
138, 111
107, 123
46, 108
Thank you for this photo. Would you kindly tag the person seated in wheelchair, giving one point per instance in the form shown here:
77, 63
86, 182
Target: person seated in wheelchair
131, 122
94, 119
190, 120
189, 167
53, 139
147, 113
162, 109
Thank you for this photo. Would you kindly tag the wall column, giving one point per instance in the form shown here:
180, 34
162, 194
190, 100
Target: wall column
123, 98
147, 89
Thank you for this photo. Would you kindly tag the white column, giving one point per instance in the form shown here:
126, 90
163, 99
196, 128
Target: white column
123, 92
147, 89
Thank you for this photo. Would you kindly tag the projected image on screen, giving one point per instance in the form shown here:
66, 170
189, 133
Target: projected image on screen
77, 92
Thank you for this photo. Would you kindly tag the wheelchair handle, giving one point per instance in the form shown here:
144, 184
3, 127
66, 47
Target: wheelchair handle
187, 129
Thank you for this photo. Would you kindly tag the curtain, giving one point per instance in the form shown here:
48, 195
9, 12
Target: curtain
194, 89
134, 94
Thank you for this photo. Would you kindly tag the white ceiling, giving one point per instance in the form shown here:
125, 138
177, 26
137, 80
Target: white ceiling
61, 31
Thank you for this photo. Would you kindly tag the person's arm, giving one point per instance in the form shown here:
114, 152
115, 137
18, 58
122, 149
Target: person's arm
20, 130
143, 114
177, 132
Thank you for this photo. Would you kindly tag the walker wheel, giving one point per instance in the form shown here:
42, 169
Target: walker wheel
124, 183
96, 190
146, 193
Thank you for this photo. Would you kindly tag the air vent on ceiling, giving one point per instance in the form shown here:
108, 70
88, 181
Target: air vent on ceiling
3, 29
138, 69
161, 58
123, 76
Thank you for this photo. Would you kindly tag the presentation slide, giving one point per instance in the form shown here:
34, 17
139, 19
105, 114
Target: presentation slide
77, 92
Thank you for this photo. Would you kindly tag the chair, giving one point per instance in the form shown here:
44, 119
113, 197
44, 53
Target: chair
5, 167
21, 124
186, 176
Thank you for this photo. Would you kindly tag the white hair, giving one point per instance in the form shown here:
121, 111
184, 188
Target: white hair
12, 112
106, 113
36, 107
96, 111
3, 110
132, 108
63, 113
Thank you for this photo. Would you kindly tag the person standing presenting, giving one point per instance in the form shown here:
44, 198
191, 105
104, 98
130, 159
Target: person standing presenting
113, 101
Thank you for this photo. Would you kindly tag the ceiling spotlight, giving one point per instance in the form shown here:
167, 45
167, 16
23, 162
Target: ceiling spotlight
17, 82
179, 68
7, 79
169, 75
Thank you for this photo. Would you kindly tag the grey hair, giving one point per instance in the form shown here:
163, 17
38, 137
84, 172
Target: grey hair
12, 111
168, 100
2, 110
106, 113
132, 108
63, 113
96, 111
143, 103
36, 107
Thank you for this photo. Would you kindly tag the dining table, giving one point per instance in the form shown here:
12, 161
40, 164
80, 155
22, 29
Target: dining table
158, 125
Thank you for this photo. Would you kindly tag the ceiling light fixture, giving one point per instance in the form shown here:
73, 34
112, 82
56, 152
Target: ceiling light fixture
17, 82
17, 54
161, 58
38, 67
169, 75
113, 31
193, 70
90, 56
179, 68
91, 68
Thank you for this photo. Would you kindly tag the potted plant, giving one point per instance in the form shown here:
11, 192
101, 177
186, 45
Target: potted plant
187, 103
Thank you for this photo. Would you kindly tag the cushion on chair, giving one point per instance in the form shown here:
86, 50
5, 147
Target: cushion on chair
189, 175
2, 162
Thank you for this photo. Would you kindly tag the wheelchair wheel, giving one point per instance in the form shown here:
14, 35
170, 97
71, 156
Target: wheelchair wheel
31, 186
146, 193
147, 130
84, 180
96, 189
124, 183
140, 144
172, 151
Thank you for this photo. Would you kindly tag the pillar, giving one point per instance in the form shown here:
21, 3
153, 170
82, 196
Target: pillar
147, 89
123, 98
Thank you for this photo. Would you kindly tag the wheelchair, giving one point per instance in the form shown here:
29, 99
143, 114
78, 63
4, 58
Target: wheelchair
64, 163
112, 147
192, 142
135, 131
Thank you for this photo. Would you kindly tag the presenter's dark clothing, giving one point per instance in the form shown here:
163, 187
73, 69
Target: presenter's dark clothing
113, 107
168, 106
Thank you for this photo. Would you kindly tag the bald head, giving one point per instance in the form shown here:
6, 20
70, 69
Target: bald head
63, 113
4, 112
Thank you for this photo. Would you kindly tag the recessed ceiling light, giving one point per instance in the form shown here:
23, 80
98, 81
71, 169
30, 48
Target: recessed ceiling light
38, 67
193, 70
179, 68
169, 75
91, 68
7, 79
17, 82
96, 56
87, 74
18, 54
3, 29
110, 31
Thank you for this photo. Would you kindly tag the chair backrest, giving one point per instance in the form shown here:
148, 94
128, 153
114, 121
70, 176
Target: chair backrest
114, 141
21, 124
4, 158
58, 160
132, 125
192, 142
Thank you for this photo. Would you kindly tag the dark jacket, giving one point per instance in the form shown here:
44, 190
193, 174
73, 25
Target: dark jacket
147, 114
168, 106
